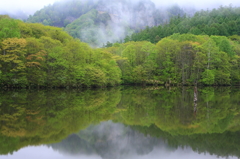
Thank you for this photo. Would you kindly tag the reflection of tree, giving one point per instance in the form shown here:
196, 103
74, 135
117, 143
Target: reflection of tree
42, 117
32, 118
171, 110
225, 145
195, 100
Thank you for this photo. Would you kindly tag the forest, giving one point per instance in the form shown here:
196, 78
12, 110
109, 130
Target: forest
223, 21
34, 55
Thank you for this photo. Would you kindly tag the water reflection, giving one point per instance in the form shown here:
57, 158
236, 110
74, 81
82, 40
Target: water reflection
113, 140
110, 141
40, 152
153, 121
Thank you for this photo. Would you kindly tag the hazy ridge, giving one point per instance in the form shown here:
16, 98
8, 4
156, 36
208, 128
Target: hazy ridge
99, 21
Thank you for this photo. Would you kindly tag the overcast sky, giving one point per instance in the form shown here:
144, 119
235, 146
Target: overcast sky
200, 4
33, 5
25, 5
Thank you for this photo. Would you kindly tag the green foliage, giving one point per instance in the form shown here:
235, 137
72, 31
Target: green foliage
181, 59
8, 28
45, 56
223, 21
48, 57
208, 77
94, 77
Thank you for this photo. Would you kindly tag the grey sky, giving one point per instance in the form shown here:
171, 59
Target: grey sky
30, 6
200, 4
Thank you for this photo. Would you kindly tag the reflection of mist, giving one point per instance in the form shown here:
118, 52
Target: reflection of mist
109, 140
116, 141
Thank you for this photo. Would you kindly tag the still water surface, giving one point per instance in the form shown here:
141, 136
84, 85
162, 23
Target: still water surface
121, 123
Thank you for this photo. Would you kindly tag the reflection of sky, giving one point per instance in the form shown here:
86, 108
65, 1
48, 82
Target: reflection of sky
43, 152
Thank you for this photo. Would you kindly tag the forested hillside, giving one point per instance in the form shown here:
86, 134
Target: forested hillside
224, 21
99, 21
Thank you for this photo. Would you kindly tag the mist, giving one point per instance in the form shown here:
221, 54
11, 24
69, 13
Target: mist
131, 16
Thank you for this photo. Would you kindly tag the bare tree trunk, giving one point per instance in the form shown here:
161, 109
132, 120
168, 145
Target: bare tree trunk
195, 100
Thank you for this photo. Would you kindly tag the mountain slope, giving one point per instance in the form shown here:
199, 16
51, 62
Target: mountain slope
224, 21
99, 21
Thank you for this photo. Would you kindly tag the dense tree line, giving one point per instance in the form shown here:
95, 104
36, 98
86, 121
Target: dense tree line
185, 59
34, 55
223, 21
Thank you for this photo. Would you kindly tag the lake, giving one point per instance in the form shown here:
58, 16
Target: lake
121, 123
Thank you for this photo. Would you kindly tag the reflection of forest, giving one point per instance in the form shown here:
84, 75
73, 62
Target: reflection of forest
113, 140
221, 144
44, 117
173, 110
